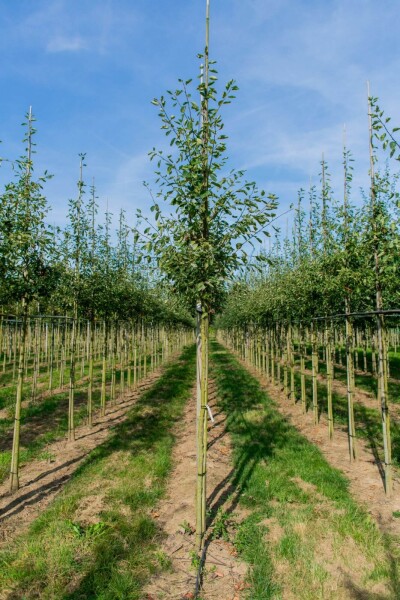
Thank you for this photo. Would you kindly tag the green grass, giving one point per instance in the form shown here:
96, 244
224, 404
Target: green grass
299, 505
62, 556
367, 420
363, 381
47, 419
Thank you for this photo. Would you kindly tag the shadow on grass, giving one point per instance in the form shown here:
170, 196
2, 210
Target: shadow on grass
117, 563
148, 429
368, 420
269, 454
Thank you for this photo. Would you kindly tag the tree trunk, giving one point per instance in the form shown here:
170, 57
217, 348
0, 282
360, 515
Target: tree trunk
91, 338
314, 363
302, 374
71, 402
202, 405
383, 394
329, 374
14, 477
350, 368
104, 371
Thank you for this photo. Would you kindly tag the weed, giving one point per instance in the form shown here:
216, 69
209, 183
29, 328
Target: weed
187, 527
163, 560
194, 560
47, 455
221, 523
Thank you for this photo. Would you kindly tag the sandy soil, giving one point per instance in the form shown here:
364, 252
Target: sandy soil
223, 573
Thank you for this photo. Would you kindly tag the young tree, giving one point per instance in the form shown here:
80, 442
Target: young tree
201, 243
379, 229
26, 256
78, 248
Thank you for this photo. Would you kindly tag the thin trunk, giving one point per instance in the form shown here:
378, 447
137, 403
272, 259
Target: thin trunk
71, 399
14, 476
91, 339
104, 371
329, 374
51, 368
314, 363
350, 390
382, 356
302, 374
202, 405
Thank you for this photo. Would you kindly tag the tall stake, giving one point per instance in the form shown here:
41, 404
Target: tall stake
349, 325
71, 399
203, 310
14, 472
324, 206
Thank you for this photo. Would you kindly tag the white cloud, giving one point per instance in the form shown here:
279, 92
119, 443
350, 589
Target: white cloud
66, 44
58, 26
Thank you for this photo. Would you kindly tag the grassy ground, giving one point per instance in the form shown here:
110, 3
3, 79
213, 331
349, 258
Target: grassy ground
46, 419
363, 381
367, 420
304, 532
98, 540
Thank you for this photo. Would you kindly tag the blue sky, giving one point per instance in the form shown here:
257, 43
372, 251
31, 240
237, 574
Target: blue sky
90, 70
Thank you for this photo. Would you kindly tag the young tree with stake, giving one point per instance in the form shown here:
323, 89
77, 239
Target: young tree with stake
26, 257
201, 244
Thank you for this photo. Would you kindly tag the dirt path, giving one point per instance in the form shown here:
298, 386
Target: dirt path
365, 475
223, 572
41, 480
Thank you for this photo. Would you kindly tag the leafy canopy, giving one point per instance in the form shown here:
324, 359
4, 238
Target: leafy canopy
214, 213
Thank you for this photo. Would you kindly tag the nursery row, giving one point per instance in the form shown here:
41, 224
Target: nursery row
329, 362
56, 373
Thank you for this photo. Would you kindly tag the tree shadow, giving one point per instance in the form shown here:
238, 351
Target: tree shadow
260, 436
150, 424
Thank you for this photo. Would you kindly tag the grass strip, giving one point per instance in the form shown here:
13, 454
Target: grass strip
98, 539
304, 536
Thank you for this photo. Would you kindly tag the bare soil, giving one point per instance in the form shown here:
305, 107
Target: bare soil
42, 480
223, 573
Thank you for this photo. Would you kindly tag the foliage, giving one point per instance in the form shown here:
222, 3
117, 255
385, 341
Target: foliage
26, 241
52, 270
201, 244
313, 276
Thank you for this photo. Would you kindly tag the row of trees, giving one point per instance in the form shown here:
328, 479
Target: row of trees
343, 258
84, 276
87, 267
